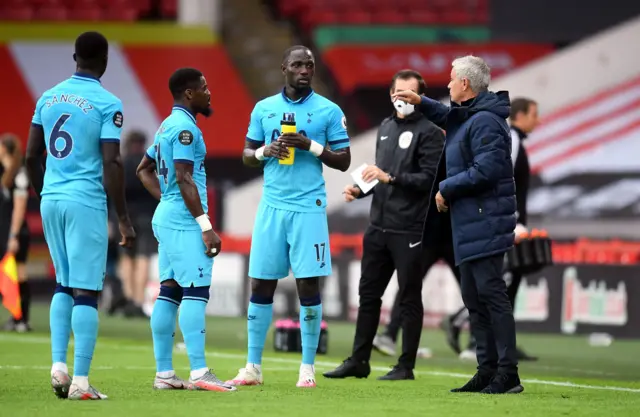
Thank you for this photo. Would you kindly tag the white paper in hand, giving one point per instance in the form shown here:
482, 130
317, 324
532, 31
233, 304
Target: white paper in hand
356, 174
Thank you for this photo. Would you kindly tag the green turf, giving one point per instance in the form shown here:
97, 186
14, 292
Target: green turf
123, 368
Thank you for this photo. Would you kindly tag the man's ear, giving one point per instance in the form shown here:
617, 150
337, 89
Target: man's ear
74, 57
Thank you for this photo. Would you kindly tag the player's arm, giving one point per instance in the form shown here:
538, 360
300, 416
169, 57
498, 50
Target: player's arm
255, 150
35, 157
36, 147
146, 172
112, 120
338, 154
183, 160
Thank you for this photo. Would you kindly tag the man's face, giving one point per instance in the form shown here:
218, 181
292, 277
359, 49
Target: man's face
299, 69
201, 98
404, 85
528, 121
457, 87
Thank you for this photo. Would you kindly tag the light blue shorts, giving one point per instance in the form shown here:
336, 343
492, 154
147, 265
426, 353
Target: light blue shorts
284, 240
77, 237
181, 257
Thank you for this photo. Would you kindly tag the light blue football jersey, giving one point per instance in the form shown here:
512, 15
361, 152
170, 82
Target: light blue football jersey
76, 115
298, 187
178, 140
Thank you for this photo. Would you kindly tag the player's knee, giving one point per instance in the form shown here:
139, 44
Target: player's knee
261, 299
308, 287
314, 300
86, 299
171, 293
64, 290
196, 294
169, 283
263, 288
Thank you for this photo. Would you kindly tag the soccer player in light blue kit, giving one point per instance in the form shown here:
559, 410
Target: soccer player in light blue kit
173, 172
290, 229
78, 122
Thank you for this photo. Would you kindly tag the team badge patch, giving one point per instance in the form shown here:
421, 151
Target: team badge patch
185, 137
118, 119
344, 122
404, 141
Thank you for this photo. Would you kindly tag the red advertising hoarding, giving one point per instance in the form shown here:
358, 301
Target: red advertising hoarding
362, 65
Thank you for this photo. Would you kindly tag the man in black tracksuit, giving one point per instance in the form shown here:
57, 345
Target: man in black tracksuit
407, 153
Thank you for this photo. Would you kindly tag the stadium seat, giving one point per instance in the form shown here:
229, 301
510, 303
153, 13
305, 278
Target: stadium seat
120, 14
50, 12
16, 13
85, 13
423, 17
384, 12
169, 8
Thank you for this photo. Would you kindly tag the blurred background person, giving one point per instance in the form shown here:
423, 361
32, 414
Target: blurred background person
15, 193
134, 262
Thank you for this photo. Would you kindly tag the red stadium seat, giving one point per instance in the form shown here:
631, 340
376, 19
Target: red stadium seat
91, 14
125, 14
169, 8
41, 3
356, 18
16, 13
50, 13
422, 18
8, 4
457, 18
82, 4
389, 17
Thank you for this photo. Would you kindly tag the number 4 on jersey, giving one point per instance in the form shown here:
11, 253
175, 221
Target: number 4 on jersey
162, 169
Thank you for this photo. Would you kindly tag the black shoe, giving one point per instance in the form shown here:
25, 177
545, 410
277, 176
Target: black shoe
350, 368
398, 373
476, 384
522, 356
453, 334
504, 384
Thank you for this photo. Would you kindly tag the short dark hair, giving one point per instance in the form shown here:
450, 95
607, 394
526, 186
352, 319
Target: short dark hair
183, 79
290, 50
407, 74
520, 105
91, 47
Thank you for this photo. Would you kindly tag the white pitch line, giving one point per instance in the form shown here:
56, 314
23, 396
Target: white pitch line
124, 368
322, 364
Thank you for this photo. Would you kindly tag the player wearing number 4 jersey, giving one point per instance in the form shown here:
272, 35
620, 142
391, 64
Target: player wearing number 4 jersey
78, 123
173, 172
290, 229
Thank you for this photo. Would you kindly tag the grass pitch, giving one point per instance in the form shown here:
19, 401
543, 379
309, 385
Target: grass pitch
571, 379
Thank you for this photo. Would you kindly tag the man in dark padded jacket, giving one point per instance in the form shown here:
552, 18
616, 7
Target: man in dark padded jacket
479, 191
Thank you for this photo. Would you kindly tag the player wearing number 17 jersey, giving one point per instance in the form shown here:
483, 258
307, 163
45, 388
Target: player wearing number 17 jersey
186, 240
290, 230
78, 122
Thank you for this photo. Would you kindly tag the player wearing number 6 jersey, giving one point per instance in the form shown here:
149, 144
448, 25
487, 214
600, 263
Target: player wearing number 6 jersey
78, 122
186, 240
290, 229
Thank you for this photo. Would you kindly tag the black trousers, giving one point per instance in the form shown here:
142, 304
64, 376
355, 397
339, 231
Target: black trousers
384, 252
433, 255
484, 293
512, 287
